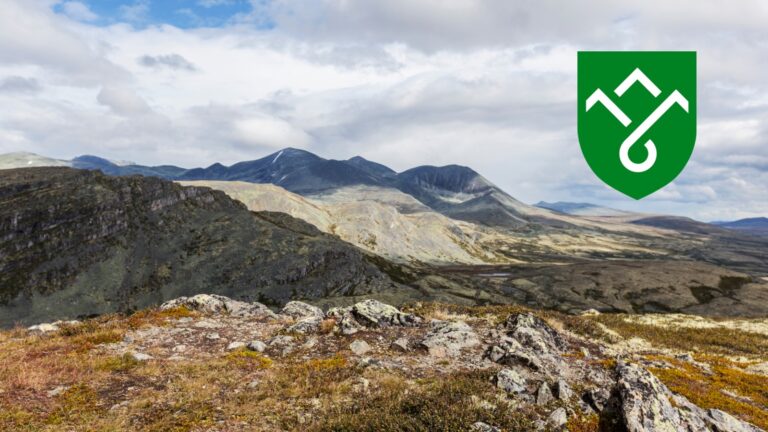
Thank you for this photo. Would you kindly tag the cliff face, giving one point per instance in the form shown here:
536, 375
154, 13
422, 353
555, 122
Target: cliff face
76, 243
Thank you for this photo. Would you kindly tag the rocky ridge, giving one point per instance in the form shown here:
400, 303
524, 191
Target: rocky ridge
525, 371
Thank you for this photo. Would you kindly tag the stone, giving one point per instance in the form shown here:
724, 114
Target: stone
138, 356
235, 346
349, 325
484, 427
57, 391
723, 422
590, 312
301, 310
359, 347
179, 348
43, 328
558, 418
563, 390
451, 337
257, 346
510, 381
596, 398
373, 313
544, 394
644, 401
218, 304
400, 344
309, 324
212, 336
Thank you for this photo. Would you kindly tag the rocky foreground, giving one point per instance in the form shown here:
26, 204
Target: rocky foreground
210, 363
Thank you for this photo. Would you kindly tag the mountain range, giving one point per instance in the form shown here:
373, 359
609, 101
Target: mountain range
92, 236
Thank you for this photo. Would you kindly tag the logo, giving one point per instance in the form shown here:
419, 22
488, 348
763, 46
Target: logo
637, 117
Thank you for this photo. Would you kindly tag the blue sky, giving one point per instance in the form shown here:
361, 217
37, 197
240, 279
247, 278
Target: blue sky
179, 13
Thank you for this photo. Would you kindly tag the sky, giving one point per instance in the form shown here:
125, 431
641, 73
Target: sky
489, 84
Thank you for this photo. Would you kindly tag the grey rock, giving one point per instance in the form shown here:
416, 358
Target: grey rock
43, 328
213, 336
349, 325
558, 418
597, 398
218, 304
257, 346
449, 337
57, 391
309, 324
235, 346
724, 422
401, 344
360, 347
301, 310
563, 390
544, 394
530, 342
510, 381
373, 313
484, 427
644, 401
138, 356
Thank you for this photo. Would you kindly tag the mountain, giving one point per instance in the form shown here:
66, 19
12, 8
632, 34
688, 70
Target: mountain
757, 225
28, 160
375, 225
581, 209
454, 191
77, 242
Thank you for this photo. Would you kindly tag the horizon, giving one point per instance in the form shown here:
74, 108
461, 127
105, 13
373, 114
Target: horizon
278, 152
482, 84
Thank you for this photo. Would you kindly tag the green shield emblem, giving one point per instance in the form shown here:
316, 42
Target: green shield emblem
637, 116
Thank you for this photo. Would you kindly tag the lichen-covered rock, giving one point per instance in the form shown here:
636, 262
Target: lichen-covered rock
373, 313
257, 346
306, 325
528, 341
484, 427
544, 394
558, 418
215, 304
645, 402
510, 381
401, 344
301, 310
359, 347
449, 337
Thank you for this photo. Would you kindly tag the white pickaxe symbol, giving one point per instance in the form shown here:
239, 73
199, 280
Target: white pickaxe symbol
637, 76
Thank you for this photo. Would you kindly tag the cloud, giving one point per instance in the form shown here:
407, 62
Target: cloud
78, 11
122, 101
485, 83
172, 61
17, 84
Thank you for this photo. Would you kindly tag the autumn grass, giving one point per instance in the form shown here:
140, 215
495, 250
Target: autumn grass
710, 390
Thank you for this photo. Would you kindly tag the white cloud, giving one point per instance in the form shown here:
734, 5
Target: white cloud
484, 83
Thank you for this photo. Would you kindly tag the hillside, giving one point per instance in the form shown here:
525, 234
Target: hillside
81, 243
211, 363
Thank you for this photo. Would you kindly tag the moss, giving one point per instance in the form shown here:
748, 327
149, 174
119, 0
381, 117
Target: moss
444, 404
583, 423
249, 359
121, 363
77, 405
708, 390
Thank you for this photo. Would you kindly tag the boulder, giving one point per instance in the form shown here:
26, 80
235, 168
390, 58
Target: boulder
484, 427
510, 381
257, 346
306, 325
644, 401
449, 337
43, 328
359, 347
401, 344
558, 418
373, 313
300, 310
544, 394
218, 304
530, 342
235, 346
